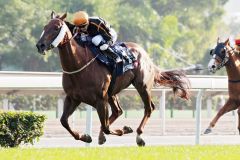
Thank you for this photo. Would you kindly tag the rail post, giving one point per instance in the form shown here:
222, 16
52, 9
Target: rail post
198, 116
89, 123
162, 109
5, 104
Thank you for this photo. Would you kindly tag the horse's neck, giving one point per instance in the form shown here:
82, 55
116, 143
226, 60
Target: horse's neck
233, 66
72, 55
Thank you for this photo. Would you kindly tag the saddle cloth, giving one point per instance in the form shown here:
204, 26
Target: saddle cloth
127, 57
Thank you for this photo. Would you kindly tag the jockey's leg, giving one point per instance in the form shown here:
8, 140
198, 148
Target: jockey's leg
105, 47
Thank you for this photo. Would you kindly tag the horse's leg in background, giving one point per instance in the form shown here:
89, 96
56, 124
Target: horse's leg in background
117, 109
148, 108
69, 107
116, 112
238, 119
228, 106
102, 110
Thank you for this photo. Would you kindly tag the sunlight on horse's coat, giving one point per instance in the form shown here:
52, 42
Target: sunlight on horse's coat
237, 62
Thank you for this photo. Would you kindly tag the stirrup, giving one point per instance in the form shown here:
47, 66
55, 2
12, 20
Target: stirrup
118, 60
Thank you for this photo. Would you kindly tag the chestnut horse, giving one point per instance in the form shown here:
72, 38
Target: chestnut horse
87, 80
224, 55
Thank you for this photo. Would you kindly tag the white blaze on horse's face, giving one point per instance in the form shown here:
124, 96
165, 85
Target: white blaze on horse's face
212, 65
42, 34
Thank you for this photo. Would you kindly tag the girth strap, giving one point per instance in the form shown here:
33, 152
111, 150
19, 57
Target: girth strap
234, 81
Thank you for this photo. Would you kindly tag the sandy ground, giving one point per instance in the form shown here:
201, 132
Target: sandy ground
178, 131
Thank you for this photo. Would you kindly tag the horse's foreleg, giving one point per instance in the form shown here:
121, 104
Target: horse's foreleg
116, 112
102, 110
69, 107
229, 106
238, 119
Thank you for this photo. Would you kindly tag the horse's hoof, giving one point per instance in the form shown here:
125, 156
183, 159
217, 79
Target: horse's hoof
119, 132
86, 138
127, 130
208, 130
101, 140
140, 141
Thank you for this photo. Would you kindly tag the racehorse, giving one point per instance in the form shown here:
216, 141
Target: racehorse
224, 55
87, 80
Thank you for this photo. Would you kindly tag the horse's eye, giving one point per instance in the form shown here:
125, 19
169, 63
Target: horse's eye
223, 52
57, 29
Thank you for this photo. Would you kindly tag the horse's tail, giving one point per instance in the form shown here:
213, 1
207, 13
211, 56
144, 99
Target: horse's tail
175, 79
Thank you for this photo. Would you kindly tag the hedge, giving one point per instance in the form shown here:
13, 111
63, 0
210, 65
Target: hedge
20, 128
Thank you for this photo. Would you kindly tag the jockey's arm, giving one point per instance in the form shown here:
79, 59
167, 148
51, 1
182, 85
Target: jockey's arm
103, 28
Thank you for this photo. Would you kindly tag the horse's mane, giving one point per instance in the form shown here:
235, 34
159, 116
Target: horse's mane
70, 26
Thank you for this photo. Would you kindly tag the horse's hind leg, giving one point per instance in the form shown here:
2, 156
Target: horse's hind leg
116, 112
69, 107
228, 106
148, 108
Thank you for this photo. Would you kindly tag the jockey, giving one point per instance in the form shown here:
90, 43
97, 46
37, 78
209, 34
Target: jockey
103, 36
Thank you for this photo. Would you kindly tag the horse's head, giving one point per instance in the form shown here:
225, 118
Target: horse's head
53, 33
220, 56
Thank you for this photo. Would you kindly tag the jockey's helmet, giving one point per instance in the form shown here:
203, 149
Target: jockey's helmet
237, 43
80, 19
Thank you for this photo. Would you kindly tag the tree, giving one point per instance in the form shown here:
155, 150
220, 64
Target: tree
170, 31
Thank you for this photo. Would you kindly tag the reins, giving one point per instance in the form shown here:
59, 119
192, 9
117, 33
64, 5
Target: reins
82, 68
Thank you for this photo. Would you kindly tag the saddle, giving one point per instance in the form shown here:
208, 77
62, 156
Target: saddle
116, 69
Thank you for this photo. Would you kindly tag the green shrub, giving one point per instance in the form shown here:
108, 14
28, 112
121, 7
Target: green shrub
20, 127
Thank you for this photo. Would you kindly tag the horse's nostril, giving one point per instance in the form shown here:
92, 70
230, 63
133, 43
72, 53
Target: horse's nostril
38, 46
42, 46
213, 66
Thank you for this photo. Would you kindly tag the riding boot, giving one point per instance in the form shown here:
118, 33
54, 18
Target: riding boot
114, 56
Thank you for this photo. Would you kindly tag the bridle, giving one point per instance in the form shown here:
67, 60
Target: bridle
223, 60
229, 50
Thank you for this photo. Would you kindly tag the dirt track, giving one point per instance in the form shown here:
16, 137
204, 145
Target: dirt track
176, 127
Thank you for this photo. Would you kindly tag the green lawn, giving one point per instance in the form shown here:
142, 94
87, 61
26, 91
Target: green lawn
224, 152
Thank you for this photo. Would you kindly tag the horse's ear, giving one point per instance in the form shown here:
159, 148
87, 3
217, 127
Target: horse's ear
226, 42
63, 16
53, 15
